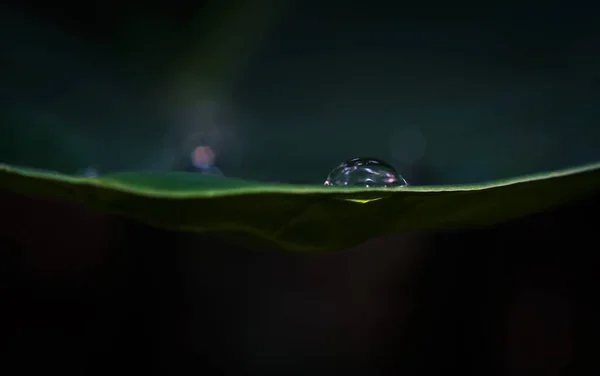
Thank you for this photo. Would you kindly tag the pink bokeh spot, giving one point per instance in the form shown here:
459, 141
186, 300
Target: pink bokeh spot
203, 157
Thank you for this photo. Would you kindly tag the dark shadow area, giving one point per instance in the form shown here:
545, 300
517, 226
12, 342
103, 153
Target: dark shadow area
86, 294
501, 300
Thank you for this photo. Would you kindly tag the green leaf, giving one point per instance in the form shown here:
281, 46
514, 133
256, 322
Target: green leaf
303, 218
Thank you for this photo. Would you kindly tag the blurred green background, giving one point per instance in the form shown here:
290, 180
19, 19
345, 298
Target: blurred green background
285, 90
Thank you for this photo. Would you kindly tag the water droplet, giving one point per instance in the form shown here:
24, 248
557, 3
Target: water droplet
365, 172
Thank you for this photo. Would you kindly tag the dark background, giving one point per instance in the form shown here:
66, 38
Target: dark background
284, 91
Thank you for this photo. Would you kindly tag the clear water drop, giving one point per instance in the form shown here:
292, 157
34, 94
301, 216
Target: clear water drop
365, 172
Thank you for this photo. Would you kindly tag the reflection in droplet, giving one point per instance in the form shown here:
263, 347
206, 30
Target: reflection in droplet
365, 172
